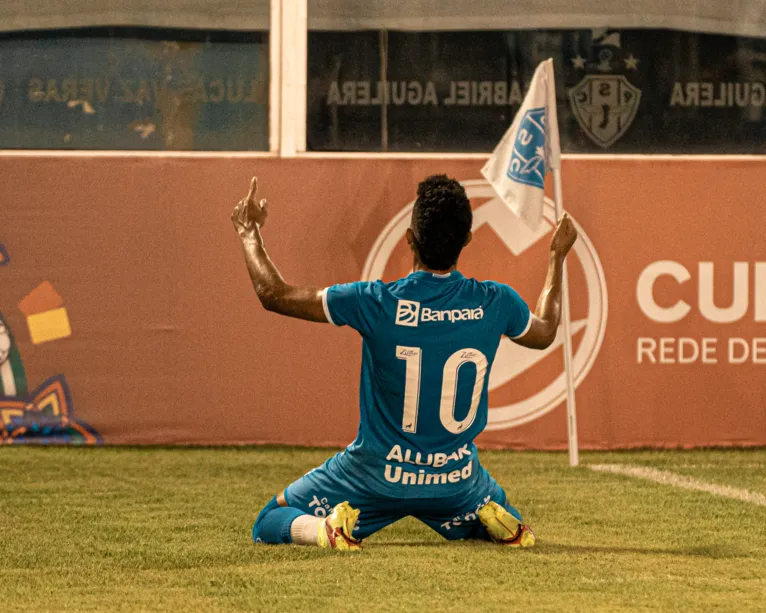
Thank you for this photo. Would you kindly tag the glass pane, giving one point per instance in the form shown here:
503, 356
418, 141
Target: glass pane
134, 88
643, 91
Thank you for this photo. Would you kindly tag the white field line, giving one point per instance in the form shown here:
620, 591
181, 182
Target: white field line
686, 483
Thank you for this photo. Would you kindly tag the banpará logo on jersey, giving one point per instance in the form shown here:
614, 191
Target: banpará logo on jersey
407, 314
513, 360
605, 102
527, 163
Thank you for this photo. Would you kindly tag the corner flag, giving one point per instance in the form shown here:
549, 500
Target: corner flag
516, 170
529, 149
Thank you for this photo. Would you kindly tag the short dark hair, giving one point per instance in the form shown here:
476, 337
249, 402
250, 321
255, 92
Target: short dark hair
441, 221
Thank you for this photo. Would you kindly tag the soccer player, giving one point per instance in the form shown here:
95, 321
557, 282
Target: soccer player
428, 343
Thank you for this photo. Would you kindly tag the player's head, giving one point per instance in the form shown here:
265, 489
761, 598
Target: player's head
441, 222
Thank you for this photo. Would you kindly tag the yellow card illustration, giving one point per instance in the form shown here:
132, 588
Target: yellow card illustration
46, 317
49, 326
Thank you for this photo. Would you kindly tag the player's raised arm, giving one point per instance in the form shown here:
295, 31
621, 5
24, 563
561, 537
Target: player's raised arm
275, 294
547, 315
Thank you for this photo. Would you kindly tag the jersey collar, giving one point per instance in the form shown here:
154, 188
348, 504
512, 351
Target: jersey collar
423, 275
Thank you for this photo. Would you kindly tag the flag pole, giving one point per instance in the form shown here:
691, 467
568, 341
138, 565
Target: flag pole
558, 197
574, 452
510, 170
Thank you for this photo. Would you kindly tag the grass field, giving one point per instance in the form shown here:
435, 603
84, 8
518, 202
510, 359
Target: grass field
169, 530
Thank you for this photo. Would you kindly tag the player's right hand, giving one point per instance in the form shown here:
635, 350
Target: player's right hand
564, 237
250, 215
255, 211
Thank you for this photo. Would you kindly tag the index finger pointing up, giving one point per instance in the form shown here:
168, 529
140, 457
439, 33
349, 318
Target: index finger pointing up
253, 190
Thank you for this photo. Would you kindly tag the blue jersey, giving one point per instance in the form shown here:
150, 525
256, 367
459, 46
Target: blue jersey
428, 345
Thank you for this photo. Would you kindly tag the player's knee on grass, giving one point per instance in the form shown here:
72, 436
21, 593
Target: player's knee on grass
468, 526
272, 526
258, 525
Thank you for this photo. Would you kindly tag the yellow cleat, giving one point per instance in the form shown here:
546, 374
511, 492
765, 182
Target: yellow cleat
335, 530
504, 528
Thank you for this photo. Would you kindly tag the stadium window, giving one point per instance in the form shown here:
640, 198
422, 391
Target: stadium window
135, 88
395, 77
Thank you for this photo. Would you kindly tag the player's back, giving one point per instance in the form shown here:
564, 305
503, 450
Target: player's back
429, 343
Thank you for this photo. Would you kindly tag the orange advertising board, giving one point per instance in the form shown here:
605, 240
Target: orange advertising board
130, 317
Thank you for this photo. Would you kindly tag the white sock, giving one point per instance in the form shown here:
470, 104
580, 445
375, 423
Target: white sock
305, 530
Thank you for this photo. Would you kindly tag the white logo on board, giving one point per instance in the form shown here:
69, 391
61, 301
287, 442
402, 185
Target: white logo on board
407, 313
605, 104
512, 360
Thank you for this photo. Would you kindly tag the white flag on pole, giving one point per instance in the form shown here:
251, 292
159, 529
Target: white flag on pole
529, 149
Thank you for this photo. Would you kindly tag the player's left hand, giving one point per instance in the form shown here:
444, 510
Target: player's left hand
250, 214
564, 236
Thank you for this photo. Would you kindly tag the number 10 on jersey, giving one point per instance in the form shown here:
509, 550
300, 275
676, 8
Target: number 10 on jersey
413, 358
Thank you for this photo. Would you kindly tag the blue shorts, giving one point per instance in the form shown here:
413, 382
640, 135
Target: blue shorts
454, 517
